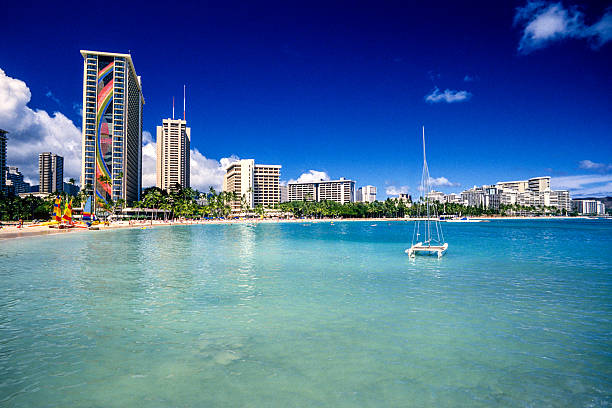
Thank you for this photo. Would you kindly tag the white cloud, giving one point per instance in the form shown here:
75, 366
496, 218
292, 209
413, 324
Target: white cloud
393, 190
544, 23
311, 176
32, 132
590, 165
442, 181
205, 172
448, 96
583, 185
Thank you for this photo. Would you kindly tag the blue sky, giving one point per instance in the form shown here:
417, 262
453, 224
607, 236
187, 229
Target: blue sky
505, 90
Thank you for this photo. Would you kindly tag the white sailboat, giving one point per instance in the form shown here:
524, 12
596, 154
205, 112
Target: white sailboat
427, 238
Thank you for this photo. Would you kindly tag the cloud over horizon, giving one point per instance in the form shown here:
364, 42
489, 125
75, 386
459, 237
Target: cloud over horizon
442, 182
32, 132
393, 190
311, 176
448, 96
544, 23
584, 185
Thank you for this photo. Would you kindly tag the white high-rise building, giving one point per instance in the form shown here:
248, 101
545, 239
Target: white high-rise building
366, 194
341, 191
3, 169
284, 194
112, 126
256, 184
173, 144
589, 207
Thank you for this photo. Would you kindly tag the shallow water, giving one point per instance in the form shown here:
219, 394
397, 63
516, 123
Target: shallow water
518, 313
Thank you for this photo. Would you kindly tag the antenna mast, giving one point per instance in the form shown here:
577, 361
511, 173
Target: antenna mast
184, 102
173, 108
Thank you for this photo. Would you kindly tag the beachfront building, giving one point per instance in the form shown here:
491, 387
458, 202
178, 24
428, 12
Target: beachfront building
256, 184
366, 194
284, 194
173, 144
535, 192
3, 140
112, 126
50, 172
403, 197
341, 191
589, 207
434, 195
452, 198
14, 181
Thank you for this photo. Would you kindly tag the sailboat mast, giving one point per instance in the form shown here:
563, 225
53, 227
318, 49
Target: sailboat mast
426, 190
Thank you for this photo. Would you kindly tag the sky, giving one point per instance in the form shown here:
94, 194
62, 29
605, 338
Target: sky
506, 90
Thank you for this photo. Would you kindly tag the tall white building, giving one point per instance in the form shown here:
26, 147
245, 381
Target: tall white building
589, 207
366, 194
284, 194
256, 184
341, 191
112, 126
173, 144
3, 169
50, 173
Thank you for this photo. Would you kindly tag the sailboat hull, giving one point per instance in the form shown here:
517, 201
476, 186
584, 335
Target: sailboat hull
420, 249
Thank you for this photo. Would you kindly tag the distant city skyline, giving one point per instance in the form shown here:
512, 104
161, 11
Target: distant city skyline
508, 91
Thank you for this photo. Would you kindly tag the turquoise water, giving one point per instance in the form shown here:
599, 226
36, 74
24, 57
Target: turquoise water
517, 314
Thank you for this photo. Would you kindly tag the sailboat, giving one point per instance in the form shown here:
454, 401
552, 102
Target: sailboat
427, 238
57, 212
67, 217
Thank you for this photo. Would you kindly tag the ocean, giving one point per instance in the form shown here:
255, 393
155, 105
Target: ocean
516, 314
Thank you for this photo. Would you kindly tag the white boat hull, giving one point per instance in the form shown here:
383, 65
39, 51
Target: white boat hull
420, 249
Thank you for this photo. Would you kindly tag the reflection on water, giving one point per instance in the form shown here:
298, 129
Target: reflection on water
515, 314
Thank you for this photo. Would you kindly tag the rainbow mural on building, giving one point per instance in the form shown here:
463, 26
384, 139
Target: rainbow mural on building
104, 137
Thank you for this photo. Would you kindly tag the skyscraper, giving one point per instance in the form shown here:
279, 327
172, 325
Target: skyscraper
173, 144
112, 126
255, 184
3, 170
50, 172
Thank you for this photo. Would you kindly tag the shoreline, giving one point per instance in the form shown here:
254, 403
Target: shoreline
12, 232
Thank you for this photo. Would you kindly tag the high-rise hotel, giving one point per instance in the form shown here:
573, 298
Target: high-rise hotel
50, 172
112, 126
3, 167
256, 184
173, 143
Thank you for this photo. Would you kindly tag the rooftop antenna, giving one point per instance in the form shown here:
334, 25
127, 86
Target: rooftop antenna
184, 102
173, 108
